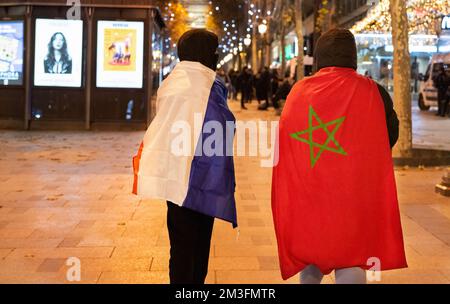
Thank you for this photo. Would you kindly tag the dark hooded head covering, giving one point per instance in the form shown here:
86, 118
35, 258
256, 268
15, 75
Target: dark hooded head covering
199, 45
336, 48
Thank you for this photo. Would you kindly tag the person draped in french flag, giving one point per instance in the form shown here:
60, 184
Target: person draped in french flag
334, 198
198, 182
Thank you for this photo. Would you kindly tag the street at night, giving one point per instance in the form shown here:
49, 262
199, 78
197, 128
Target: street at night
69, 194
269, 144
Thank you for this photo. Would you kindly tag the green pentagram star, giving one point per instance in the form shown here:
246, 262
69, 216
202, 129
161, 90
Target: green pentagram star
323, 147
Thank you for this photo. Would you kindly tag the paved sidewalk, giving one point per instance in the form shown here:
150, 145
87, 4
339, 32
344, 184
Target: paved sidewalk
67, 194
429, 130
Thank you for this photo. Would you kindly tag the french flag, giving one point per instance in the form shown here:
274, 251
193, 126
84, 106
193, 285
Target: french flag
194, 179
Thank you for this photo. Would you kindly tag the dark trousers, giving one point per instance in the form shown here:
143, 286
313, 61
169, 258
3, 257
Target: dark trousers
245, 96
190, 241
442, 103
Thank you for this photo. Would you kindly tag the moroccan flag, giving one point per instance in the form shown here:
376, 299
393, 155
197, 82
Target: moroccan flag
334, 198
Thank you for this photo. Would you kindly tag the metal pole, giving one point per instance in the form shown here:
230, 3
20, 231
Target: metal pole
90, 16
149, 85
28, 20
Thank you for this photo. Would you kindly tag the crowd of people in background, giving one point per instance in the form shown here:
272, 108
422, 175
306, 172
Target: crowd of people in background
266, 86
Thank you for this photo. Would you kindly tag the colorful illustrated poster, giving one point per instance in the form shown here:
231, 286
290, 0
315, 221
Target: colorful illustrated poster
58, 58
11, 52
120, 52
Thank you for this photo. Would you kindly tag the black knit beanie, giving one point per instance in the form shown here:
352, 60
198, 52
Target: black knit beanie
336, 48
199, 45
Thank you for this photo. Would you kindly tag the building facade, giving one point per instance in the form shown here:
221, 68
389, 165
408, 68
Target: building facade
93, 66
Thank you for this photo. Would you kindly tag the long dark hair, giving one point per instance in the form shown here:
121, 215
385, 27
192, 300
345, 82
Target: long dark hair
64, 54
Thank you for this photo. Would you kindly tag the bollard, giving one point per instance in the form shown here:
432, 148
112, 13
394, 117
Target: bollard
444, 187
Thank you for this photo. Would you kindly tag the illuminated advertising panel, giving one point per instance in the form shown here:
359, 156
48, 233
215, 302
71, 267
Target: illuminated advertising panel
120, 54
58, 53
11, 52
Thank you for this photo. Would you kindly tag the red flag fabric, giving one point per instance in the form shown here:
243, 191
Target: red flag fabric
334, 198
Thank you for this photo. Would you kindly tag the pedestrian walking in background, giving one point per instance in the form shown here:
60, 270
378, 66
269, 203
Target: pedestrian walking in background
442, 82
234, 87
282, 93
334, 198
197, 188
245, 82
262, 86
226, 80
274, 82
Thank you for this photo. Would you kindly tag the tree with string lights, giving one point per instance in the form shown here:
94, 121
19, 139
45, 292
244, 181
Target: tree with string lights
175, 16
227, 20
402, 76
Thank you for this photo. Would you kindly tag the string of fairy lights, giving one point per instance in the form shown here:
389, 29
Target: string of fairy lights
236, 37
169, 16
238, 34
422, 17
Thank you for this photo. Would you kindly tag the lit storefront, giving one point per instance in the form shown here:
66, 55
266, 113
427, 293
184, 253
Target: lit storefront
428, 36
66, 68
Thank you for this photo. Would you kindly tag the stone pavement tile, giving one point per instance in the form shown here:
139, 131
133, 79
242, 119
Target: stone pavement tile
413, 276
13, 265
268, 262
19, 210
444, 209
86, 223
446, 273
146, 223
262, 240
90, 216
137, 241
422, 239
432, 249
29, 243
215, 263
97, 210
28, 217
51, 232
254, 222
251, 208
93, 252
142, 277
51, 265
15, 233
139, 252
113, 232
233, 263
233, 239
4, 252
248, 196
244, 251
3, 224
160, 263
47, 278
135, 277
96, 239
116, 264
445, 238
432, 262
70, 242
252, 277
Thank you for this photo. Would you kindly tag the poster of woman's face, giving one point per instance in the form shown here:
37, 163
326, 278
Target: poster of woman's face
58, 60
58, 53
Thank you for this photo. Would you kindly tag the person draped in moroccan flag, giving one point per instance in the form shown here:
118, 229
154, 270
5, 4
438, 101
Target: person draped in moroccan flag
196, 175
334, 197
